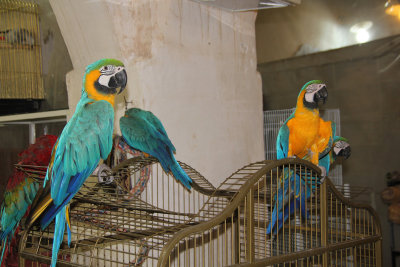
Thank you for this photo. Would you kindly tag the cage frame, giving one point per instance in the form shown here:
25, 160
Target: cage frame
247, 191
222, 203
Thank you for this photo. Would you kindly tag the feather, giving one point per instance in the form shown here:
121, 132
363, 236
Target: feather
58, 235
83, 142
21, 191
143, 131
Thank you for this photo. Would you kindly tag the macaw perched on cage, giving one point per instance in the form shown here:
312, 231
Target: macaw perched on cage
143, 131
300, 190
85, 139
20, 192
305, 133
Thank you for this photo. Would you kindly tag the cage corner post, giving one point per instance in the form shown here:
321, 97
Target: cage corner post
250, 246
324, 221
378, 253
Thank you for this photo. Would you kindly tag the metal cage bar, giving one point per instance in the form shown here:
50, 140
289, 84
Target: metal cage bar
20, 51
334, 232
167, 225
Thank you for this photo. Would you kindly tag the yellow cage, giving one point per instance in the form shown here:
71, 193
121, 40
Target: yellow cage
167, 225
20, 51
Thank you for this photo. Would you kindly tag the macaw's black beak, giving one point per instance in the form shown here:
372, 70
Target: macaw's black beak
345, 153
122, 79
321, 95
119, 80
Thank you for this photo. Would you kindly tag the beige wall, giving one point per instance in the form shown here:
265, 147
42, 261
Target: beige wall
316, 25
192, 65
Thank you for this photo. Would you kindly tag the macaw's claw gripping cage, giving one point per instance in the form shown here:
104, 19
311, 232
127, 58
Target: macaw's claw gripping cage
167, 225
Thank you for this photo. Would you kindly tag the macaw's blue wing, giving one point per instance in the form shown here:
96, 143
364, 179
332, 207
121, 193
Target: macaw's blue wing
278, 207
86, 138
280, 198
282, 140
14, 207
295, 206
292, 195
144, 132
279, 217
149, 116
325, 161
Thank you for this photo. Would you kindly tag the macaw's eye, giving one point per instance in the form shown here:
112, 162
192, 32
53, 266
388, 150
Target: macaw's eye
108, 69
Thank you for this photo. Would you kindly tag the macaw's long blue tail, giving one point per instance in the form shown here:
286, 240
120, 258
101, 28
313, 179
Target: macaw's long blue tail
272, 223
298, 203
181, 175
169, 164
58, 235
4, 244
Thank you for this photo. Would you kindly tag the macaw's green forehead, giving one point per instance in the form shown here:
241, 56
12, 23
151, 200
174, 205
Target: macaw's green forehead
339, 138
308, 83
103, 62
311, 82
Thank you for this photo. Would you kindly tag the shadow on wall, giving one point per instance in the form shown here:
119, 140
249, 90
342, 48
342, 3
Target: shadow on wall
56, 60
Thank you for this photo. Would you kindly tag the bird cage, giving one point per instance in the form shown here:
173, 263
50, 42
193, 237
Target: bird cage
333, 232
274, 119
167, 225
20, 52
111, 226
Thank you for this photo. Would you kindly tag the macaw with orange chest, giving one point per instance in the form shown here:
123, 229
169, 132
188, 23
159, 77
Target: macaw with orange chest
305, 133
85, 140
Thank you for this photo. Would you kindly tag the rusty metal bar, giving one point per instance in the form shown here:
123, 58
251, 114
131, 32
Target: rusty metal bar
310, 252
250, 226
229, 229
324, 221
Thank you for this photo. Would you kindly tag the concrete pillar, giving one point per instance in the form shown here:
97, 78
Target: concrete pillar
193, 66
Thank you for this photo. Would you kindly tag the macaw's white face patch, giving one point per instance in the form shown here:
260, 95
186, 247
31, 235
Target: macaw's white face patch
104, 79
311, 90
339, 146
107, 72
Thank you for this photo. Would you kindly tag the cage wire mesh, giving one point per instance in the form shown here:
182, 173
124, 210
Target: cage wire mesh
167, 225
20, 52
333, 232
274, 119
113, 227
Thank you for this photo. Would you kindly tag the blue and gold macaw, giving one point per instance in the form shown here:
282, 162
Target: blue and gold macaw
85, 140
304, 133
143, 131
300, 190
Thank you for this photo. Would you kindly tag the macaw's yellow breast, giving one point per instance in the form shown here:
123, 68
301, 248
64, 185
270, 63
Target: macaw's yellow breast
303, 132
325, 134
90, 80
